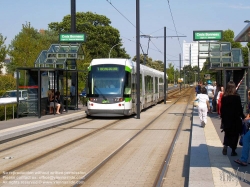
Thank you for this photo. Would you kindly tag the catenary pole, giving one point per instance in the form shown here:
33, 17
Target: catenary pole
180, 70
73, 62
165, 80
138, 103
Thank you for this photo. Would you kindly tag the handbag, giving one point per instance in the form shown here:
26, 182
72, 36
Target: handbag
196, 102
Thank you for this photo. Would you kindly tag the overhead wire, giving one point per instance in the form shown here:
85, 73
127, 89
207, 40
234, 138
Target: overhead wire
174, 23
149, 48
109, 1
121, 14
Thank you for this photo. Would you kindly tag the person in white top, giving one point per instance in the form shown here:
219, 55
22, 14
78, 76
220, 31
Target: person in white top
203, 106
210, 93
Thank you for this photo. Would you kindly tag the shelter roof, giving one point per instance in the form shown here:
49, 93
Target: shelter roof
244, 35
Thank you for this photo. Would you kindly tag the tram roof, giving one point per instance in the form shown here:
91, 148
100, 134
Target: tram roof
244, 35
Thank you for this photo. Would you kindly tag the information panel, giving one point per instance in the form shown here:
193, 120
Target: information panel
72, 37
207, 35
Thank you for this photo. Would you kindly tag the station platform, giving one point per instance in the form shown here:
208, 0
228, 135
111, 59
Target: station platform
19, 126
208, 166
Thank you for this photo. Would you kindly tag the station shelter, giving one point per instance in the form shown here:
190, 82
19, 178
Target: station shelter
227, 63
244, 36
56, 69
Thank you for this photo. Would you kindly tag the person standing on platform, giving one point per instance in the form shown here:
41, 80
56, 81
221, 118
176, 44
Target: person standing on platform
73, 94
214, 102
198, 88
231, 118
203, 106
210, 93
246, 146
219, 96
57, 102
245, 150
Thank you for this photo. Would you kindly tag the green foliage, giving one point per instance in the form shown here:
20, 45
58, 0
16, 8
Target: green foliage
83, 65
7, 82
3, 51
228, 36
27, 45
9, 112
147, 61
101, 36
245, 52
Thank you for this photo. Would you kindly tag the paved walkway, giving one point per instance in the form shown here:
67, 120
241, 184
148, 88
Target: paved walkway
17, 127
208, 167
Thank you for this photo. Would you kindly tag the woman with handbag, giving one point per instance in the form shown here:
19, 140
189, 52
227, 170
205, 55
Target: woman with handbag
231, 117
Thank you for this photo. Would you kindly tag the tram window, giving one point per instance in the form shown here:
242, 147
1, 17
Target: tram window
133, 84
140, 82
127, 83
148, 84
156, 85
127, 90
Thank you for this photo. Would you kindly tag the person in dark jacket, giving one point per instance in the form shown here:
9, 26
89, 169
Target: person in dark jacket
231, 117
198, 88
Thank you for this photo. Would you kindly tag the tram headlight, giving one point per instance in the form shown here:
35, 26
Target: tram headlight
92, 99
118, 99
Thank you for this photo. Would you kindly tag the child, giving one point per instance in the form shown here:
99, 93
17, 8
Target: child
203, 106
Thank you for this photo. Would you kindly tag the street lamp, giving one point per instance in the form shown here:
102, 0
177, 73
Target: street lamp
113, 47
247, 21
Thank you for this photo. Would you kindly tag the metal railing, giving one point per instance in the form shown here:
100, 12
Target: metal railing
13, 106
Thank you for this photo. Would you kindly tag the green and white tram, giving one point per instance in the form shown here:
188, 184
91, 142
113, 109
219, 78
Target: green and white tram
111, 87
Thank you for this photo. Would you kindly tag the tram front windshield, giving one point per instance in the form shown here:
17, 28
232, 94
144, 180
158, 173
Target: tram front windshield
106, 80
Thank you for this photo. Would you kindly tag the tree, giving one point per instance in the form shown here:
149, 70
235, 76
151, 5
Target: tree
27, 45
7, 82
3, 51
83, 65
228, 36
246, 54
101, 36
170, 73
147, 61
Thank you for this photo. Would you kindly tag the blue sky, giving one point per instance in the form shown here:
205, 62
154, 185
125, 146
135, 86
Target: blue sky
181, 18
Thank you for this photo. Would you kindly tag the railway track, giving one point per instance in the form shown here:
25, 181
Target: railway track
91, 147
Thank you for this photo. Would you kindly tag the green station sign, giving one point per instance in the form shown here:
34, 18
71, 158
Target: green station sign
207, 35
72, 37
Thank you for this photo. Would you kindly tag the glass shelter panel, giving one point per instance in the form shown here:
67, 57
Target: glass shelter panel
237, 55
226, 59
225, 47
215, 60
226, 53
215, 47
215, 54
203, 46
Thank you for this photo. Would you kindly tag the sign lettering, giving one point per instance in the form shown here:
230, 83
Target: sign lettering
207, 35
72, 37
